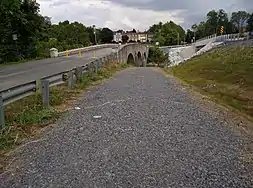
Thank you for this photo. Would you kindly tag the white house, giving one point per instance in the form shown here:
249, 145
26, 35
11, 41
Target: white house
117, 37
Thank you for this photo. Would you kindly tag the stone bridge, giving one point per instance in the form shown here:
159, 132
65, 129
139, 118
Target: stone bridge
136, 54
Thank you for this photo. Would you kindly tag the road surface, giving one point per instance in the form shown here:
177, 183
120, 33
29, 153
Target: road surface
139, 129
18, 74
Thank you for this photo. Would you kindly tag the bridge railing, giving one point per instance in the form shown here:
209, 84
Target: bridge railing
86, 49
208, 37
174, 46
42, 84
232, 37
222, 38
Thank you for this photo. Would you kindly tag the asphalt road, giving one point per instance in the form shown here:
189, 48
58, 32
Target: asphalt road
139, 129
21, 73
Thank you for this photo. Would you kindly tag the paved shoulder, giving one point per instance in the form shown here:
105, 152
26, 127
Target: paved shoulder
139, 129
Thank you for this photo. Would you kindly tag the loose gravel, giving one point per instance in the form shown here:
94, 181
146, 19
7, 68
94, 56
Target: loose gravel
139, 129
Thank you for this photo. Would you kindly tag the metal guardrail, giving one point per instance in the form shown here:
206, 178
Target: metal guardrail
18, 92
21, 91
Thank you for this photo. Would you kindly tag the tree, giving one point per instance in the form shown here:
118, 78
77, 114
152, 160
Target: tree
250, 23
194, 27
134, 31
120, 31
106, 35
167, 33
90, 31
203, 30
157, 56
222, 20
22, 19
212, 22
125, 38
159, 38
189, 36
239, 19
231, 28
155, 28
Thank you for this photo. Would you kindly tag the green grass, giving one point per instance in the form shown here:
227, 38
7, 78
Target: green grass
26, 117
225, 74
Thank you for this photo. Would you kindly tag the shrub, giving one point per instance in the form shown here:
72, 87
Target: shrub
157, 56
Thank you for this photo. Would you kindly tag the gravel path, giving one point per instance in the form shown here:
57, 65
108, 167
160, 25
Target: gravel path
149, 133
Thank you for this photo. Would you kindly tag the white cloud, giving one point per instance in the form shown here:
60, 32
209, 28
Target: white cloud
106, 14
138, 14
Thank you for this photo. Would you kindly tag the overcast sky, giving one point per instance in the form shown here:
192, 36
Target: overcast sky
138, 14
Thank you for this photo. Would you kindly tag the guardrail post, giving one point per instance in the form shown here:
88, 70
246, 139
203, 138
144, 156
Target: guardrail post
38, 86
108, 59
90, 70
105, 61
45, 92
2, 120
100, 63
70, 79
247, 36
96, 66
79, 73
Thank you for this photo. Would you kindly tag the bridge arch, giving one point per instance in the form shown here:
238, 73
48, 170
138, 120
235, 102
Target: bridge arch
130, 59
145, 56
139, 61
134, 54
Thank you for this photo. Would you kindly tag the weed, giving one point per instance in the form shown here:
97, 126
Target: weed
225, 74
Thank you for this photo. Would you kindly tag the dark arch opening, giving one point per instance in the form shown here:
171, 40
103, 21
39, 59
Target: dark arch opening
139, 62
130, 59
139, 55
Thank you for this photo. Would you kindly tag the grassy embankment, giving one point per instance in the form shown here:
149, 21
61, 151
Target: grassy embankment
225, 75
26, 117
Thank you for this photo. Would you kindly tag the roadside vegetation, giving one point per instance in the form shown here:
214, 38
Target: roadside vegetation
224, 74
25, 34
156, 58
26, 118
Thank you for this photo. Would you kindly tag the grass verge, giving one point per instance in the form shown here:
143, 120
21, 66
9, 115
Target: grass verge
26, 117
224, 74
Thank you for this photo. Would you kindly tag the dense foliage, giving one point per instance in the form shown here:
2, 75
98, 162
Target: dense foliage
125, 38
158, 57
25, 34
168, 33
238, 22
